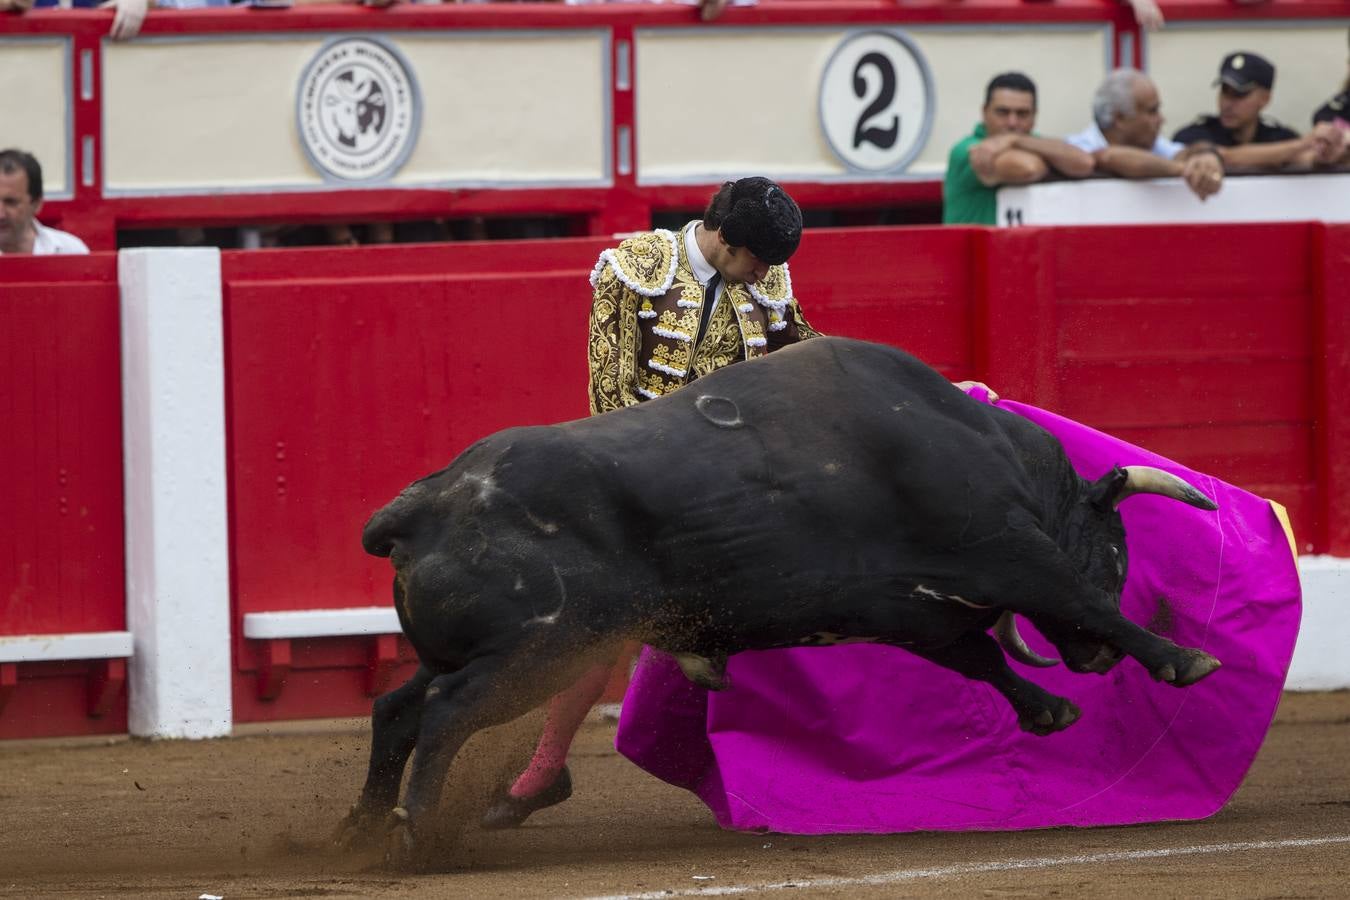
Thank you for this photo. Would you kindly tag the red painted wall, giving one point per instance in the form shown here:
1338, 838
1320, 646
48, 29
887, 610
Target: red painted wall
351, 372
61, 537
1196, 342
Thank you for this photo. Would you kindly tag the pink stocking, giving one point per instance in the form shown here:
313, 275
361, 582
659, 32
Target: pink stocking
566, 711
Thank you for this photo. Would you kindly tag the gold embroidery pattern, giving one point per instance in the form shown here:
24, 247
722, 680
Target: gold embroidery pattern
612, 345
774, 283
678, 326
674, 361
654, 384
691, 292
749, 320
804, 330
645, 259
722, 345
752, 329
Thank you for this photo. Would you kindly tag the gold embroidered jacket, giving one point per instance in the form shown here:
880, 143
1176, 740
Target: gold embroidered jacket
645, 314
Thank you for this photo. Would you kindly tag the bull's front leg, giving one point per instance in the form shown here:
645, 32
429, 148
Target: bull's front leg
1164, 660
490, 690
394, 723
1073, 613
976, 656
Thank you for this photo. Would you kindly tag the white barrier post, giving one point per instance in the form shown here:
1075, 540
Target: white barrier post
1320, 661
173, 435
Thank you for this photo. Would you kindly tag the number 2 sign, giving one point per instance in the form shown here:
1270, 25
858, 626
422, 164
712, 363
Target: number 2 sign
876, 101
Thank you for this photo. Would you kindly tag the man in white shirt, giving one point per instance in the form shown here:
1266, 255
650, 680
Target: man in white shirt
1124, 138
20, 202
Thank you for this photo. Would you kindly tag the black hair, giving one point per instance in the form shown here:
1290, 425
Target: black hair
12, 161
757, 214
1013, 81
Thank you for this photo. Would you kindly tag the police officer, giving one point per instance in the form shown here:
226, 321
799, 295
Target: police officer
1243, 135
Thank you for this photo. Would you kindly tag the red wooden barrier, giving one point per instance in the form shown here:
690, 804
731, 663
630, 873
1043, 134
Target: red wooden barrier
349, 376
1330, 345
353, 372
61, 534
1196, 344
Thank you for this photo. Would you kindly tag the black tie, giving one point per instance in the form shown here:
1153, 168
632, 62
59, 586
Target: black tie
709, 294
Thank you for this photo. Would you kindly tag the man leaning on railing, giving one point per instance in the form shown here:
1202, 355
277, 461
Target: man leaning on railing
1003, 150
1241, 132
1124, 137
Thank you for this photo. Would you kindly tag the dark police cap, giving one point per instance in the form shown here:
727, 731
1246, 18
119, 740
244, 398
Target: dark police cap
763, 219
1243, 71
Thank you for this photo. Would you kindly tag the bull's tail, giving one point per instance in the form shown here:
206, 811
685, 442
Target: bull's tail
388, 525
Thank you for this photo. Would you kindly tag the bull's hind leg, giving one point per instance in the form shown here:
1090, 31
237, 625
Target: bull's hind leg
976, 656
394, 722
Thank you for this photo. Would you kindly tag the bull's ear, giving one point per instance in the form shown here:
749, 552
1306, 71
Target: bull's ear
1103, 492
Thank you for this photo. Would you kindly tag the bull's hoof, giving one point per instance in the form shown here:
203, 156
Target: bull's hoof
1190, 666
358, 829
1048, 720
510, 812
1195, 665
400, 844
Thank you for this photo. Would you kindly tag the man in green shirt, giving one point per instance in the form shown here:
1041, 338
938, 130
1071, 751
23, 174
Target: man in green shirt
1002, 150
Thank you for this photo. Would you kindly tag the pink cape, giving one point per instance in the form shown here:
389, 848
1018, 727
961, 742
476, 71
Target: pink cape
866, 738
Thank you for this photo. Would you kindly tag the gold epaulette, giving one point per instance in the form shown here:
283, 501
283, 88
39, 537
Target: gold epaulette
774, 293
645, 263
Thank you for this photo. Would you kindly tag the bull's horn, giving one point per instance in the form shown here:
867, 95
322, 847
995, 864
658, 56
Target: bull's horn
1148, 480
1005, 631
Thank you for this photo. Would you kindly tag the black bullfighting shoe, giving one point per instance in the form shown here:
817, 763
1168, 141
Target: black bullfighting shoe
510, 812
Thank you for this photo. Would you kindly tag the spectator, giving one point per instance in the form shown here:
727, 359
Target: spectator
1331, 144
20, 202
1124, 137
708, 9
1337, 109
128, 15
1002, 150
1242, 135
1331, 127
1146, 13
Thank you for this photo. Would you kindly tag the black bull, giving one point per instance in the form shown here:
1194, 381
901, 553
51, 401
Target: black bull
832, 490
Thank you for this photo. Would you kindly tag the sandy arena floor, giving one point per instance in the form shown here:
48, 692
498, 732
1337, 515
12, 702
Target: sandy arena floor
249, 817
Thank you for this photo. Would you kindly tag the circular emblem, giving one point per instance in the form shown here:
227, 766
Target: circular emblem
358, 110
876, 101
